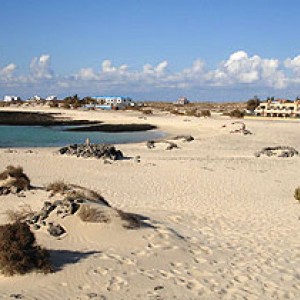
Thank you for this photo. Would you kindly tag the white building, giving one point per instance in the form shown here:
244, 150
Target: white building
182, 101
279, 108
51, 98
114, 101
11, 98
35, 98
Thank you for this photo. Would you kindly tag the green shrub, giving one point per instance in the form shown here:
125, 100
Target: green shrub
19, 253
297, 194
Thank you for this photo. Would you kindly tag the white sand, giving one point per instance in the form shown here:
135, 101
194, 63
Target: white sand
225, 223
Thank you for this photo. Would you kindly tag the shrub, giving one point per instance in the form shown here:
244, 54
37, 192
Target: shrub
57, 187
297, 194
147, 112
192, 113
236, 114
19, 253
205, 113
93, 214
20, 215
18, 179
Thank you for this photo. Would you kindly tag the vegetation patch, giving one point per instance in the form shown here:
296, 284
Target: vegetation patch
19, 253
297, 194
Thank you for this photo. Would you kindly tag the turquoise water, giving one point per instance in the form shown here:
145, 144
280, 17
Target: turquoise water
38, 136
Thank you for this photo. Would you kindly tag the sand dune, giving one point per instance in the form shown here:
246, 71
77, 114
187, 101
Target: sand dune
222, 223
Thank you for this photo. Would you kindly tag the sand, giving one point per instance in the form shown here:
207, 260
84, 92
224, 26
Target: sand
222, 223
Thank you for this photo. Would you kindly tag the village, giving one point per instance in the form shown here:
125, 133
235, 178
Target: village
270, 108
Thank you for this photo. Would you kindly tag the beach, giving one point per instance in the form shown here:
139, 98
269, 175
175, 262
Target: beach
221, 223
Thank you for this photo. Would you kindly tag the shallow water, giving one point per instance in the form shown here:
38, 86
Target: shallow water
38, 136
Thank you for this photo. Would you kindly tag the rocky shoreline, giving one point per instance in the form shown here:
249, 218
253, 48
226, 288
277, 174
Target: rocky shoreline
14, 118
19, 118
115, 127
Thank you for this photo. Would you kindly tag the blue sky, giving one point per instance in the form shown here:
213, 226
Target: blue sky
209, 50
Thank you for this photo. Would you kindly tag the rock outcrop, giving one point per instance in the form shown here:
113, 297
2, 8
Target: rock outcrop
279, 151
89, 150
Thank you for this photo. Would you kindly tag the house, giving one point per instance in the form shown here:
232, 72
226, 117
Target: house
11, 98
278, 108
114, 102
51, 98
35, 98
182, 101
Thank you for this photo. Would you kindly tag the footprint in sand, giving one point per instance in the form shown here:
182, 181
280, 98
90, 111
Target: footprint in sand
116, 283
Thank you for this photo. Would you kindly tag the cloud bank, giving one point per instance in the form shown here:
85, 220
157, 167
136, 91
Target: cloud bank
240, 71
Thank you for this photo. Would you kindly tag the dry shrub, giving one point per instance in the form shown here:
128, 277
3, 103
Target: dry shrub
92, 214
176, 112
205, 113
297, 194
19, 253
191, 112
57, 187
147, 111
236, 113
80, 192
16, 177
132, 220
19, 215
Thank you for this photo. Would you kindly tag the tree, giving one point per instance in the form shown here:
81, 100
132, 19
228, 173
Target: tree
253, 103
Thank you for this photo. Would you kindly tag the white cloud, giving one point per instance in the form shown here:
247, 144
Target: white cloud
242, 69
294, 64
239, 70
107, 67
155, 70
40, 67
86, 74
7, 71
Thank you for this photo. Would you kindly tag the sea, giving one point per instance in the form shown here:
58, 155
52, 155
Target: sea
56, 136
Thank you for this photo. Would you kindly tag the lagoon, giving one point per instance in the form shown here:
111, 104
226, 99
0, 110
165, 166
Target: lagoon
56, 136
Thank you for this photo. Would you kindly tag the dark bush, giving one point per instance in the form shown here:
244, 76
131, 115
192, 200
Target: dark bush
147, 111
236, 114
19, 253
297, 194
205, 113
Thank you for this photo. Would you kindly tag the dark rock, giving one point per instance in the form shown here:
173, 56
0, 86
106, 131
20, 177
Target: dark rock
93, 150
150, 144
55, 230
36, 227
279, 151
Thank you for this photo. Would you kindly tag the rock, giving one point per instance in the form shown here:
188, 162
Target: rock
13, 189
55, 230
171, 146
137, 159
185, 138
279, 151
35, 218
150, 144
36, 226
92, 150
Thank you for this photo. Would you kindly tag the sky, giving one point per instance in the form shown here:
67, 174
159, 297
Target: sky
207, 50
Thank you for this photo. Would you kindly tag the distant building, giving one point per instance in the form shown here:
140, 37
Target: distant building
182, 101
114, 101
11, 98
278, 108
51, 98
35, 98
